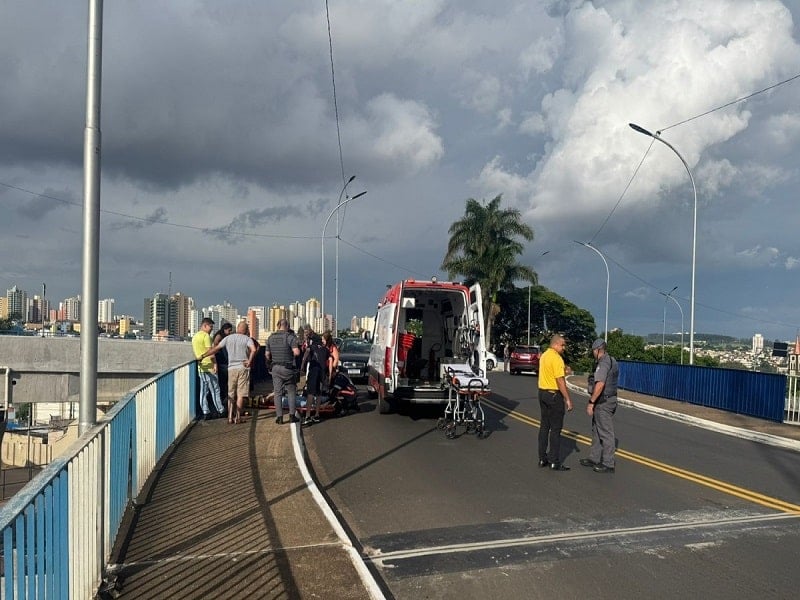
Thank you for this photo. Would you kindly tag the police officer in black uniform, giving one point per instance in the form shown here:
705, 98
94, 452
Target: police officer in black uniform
602, 406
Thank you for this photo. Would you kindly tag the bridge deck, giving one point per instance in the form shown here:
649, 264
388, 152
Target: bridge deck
228, 515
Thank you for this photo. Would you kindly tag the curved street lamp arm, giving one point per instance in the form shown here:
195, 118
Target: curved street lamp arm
657, 136
608, 280
339, 204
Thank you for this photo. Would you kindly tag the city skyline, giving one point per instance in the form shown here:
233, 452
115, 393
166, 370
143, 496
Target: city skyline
226, 311
221, 150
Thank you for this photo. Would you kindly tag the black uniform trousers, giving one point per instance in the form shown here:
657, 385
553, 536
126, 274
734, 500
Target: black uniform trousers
553, 408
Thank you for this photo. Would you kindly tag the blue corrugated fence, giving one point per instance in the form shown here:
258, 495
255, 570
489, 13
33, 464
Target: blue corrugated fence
750, 393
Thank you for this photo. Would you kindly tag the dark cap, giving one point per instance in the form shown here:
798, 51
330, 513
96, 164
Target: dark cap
598, 344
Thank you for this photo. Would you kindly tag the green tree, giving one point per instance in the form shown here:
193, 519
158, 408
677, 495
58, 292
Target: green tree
550, 313
484, 247
624, 346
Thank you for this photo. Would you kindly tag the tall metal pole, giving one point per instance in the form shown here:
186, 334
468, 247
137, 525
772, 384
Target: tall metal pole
322, 243
91, 221
43, 304
663, 330
657, 136
336, 274
664, 325
608, 279
529, 303
529, 314
335, 209
671, 297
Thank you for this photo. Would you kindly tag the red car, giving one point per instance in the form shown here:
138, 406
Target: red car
524, 358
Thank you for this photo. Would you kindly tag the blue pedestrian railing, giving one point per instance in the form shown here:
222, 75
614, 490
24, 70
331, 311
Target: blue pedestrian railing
59, 530
751, 393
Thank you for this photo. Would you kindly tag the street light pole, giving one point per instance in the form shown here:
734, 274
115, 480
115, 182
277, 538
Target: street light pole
664, 324
336, 274
671, 297
529, 314
336, 208
608, 279
322, 241
529, 303
657, 136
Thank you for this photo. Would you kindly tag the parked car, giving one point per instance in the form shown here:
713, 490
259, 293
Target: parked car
353, 357
491, 361
524, 358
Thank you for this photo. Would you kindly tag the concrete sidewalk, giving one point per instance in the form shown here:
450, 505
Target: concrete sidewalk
230, 514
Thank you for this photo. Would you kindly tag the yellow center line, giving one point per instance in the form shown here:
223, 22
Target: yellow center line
722, 486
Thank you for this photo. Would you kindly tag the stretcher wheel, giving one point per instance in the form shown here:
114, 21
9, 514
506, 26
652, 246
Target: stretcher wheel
440, 423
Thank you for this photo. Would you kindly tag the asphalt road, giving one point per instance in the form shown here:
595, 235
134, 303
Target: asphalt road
688, 513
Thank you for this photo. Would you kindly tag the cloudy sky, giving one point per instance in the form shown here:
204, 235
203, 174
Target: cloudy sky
220, 156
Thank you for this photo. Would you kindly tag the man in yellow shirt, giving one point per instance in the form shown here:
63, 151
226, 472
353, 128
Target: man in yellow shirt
554, 401
207, 370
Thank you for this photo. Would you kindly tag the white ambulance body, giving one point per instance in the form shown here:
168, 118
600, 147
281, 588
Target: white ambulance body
420, 328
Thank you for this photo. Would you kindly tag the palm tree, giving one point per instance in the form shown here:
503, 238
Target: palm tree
483, 247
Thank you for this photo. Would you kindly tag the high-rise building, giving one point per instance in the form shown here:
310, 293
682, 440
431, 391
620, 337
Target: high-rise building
105, 310
156, 314
223, 313
71, 308
313, 315
37, 309
17, 303
195, 317
258, 324
180, 307
361, 324
276, 313
3, 308
758, 343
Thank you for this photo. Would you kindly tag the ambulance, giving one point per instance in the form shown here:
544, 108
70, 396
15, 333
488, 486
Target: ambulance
421, 327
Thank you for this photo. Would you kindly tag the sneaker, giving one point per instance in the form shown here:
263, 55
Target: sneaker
587, 462
279, 420
207, 417
293, 419
315, 419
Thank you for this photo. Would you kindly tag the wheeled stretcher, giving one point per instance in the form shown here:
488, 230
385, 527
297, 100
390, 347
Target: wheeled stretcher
463, 409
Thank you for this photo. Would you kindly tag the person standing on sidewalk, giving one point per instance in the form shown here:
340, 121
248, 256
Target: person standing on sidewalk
506, 357
602, 406
207, 370
554, 401
282, 351
222, 361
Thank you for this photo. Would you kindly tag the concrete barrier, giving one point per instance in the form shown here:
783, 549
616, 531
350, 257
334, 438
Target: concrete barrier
48, 369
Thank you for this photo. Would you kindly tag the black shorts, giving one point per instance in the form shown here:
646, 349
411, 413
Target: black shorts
314, 380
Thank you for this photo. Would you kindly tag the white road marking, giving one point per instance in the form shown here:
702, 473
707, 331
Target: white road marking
380, 558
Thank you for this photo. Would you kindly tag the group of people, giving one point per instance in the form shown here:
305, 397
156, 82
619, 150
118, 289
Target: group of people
318, 358
224, 368
226, 361
555, 402
315, 356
